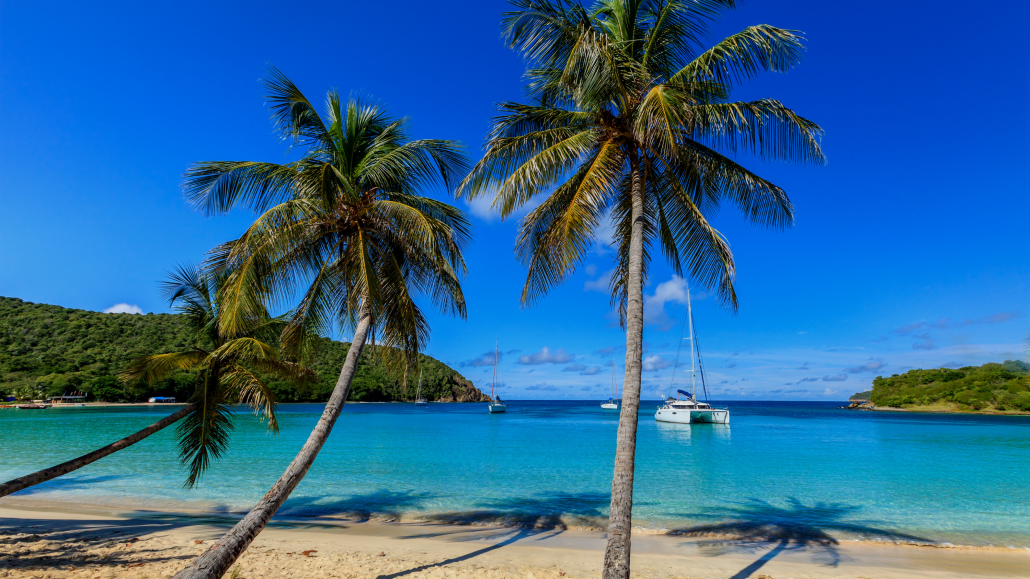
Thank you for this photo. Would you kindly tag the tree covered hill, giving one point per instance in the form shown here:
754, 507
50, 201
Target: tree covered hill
48, 350
991, 387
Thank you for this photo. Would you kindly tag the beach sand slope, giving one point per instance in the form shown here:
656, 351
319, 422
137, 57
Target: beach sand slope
47, 544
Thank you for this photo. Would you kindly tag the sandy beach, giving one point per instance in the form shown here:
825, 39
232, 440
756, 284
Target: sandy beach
36, 541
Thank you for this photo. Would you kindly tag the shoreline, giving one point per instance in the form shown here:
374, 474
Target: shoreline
932, 410
89, 543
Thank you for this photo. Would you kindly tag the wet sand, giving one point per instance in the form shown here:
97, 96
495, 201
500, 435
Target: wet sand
36, 541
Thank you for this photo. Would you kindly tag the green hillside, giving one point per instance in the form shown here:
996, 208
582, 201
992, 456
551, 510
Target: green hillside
992, 387
49, 350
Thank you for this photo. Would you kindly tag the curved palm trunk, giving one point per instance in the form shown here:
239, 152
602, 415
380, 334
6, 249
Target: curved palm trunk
620, 521
217, 560
13, 486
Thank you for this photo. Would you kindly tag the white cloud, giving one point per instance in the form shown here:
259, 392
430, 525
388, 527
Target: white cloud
124, 309
591, 270
480, 207
545, 356
604, 235
672, 291
655, 362
835, 378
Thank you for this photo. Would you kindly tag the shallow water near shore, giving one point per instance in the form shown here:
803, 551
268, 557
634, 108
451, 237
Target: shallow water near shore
805, 471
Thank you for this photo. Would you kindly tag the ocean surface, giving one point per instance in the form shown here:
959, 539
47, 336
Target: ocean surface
803, 470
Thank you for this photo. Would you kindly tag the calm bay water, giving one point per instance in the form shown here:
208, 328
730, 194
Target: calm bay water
807, 470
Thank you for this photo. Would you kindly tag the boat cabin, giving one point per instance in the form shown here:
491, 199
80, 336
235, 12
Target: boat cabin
161, 400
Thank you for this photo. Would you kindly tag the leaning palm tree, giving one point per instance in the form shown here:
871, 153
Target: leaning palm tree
231, 368
230, 373
627, 119
346, 227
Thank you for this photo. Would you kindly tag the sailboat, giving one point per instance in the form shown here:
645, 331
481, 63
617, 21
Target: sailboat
496, 404
419, 400
612, 403
690, 410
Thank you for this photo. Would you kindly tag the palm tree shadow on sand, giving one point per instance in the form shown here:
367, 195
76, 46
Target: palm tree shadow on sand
753, 525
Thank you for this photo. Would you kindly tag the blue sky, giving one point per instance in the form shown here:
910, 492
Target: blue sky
909, 249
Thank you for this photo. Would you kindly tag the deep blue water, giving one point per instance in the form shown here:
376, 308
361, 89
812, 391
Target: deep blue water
804, 469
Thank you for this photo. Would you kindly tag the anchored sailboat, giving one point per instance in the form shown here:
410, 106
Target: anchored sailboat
419, 400
612, 403
690, 410
496, 405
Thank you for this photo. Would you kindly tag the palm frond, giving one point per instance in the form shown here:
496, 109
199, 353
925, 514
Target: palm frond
744, 55
203, 434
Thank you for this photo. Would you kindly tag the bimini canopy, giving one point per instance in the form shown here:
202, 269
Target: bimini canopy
683, 393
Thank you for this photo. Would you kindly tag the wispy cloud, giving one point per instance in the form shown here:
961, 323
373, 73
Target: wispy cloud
543, 387
835, 378
607, 352
947, 323
601, 284
124, 309
873, 365
923, 342
486, 359
546, 356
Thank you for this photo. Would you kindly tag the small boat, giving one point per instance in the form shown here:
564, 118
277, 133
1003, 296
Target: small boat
690, 410
419, 400
496, 405
33, 407
612, 403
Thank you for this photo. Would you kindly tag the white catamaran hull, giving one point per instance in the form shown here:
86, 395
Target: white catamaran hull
713, 416
672, 415
495, 408
608, 406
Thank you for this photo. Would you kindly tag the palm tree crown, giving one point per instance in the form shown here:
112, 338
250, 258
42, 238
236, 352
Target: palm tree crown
231, 368
624, 86
347, 220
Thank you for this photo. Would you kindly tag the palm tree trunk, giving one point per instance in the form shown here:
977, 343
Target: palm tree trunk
620, 521
217, 560
13, 486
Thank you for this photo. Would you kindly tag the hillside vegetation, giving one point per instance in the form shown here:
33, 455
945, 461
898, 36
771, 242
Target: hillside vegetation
991, 387
49, 350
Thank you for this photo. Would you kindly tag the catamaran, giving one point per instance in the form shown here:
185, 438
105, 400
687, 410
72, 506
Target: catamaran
612, 403
496, 404
419, 400
690, 410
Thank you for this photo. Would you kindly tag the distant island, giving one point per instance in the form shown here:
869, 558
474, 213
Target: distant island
988, 389
49, 350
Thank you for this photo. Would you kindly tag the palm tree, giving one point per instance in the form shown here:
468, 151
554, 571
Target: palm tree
228, 375
346, 224
627, 118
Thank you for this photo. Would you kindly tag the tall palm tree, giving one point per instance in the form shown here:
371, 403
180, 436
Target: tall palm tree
227, 367
627, 118
347, 226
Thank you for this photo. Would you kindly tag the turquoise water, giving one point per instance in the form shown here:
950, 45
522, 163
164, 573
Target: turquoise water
804, 470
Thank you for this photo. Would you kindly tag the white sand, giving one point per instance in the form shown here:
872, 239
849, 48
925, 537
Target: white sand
44, 543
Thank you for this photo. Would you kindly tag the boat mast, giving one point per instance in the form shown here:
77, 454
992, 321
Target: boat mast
493, 383
613, 378
690, 322
418, 393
